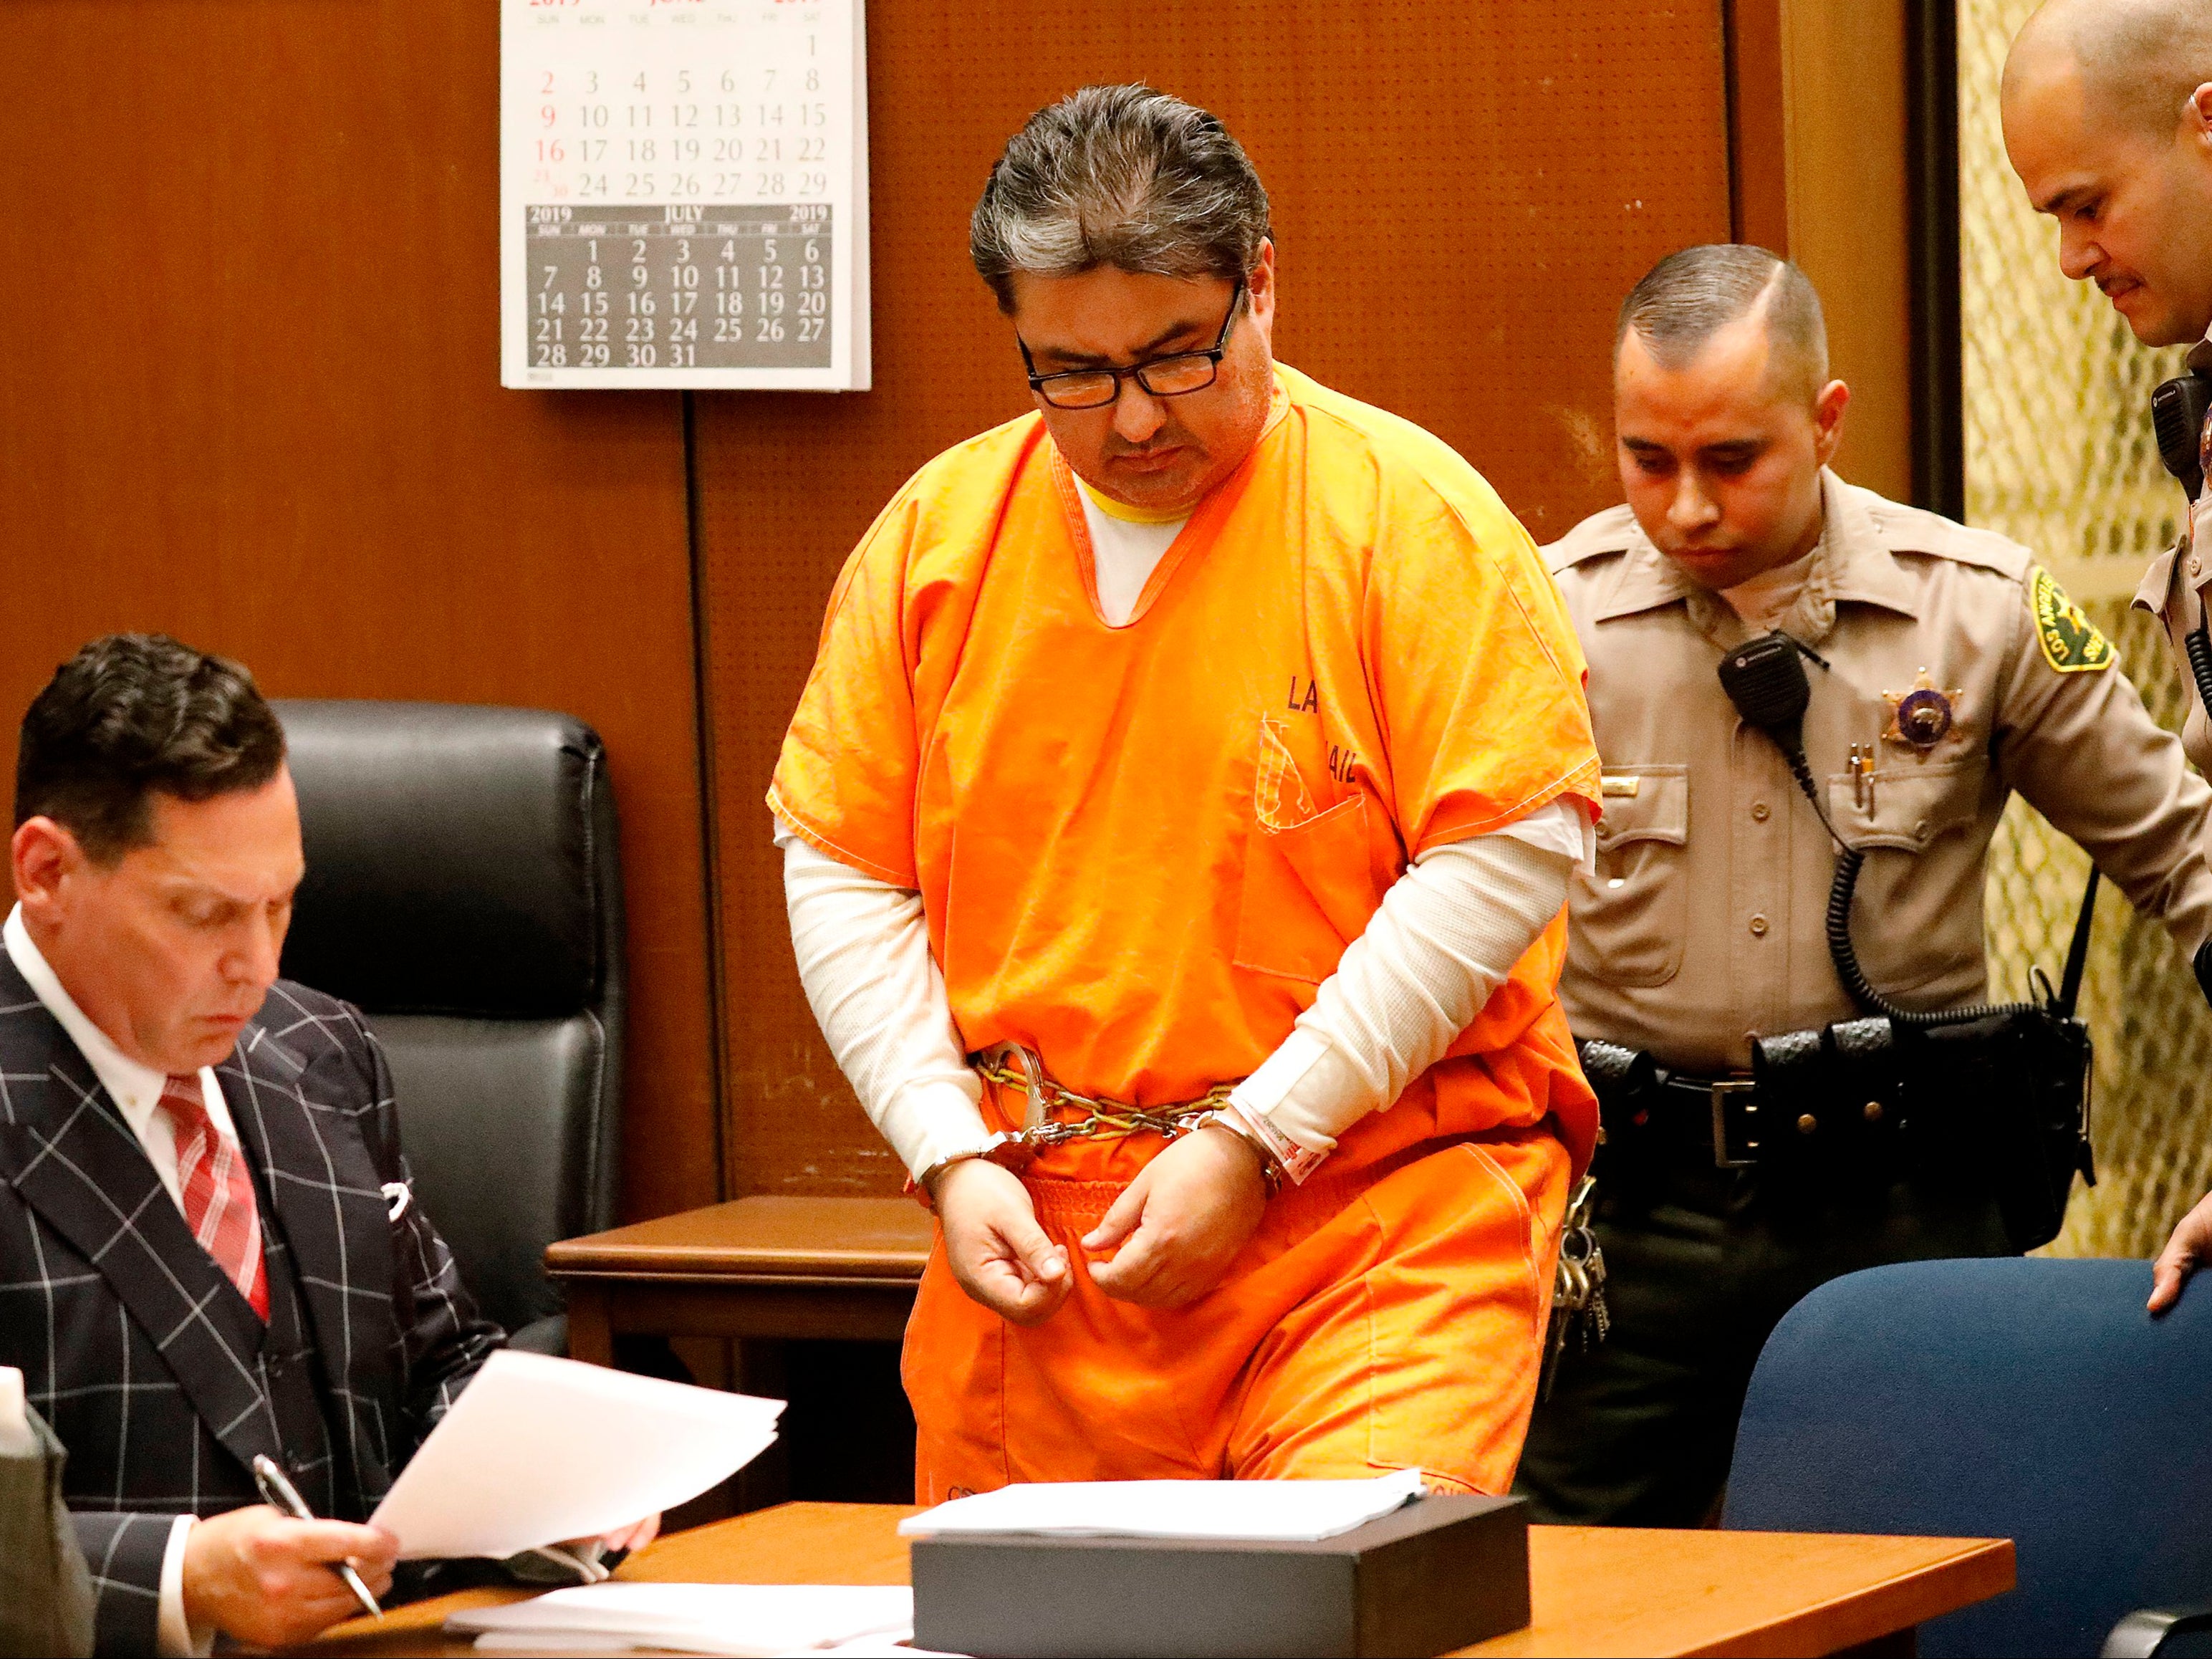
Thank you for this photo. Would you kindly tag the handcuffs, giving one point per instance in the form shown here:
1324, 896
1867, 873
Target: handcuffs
1015, 1066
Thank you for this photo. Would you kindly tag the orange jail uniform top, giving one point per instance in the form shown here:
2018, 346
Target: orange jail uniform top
1139, 851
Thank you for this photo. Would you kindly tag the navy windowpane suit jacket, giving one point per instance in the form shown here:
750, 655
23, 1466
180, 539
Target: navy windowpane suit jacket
154, 1373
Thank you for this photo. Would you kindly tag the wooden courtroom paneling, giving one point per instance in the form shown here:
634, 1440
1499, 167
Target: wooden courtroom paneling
1462, 195
249, 395
1850, 207
1758, 145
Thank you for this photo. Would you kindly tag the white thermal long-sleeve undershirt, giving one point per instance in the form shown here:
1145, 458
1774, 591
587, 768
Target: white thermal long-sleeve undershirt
1446, 935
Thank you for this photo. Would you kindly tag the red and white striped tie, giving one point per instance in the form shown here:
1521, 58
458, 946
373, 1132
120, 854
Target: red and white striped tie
218, 1190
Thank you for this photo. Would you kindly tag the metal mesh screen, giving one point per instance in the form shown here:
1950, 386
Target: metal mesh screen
2060, 455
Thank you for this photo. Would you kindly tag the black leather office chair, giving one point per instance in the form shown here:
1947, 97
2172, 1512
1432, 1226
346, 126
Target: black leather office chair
464, 889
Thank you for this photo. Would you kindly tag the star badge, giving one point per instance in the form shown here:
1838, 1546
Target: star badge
1923, 717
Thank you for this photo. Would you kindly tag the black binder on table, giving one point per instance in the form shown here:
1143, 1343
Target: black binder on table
1444, 1571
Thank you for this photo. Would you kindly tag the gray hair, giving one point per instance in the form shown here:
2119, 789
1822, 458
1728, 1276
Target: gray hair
2139, 58
1689, 297
1122, 176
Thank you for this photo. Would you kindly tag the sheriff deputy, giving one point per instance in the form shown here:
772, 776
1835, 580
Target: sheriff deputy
1752, 1108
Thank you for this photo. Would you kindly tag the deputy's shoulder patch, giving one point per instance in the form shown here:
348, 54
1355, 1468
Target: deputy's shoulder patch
2070, 641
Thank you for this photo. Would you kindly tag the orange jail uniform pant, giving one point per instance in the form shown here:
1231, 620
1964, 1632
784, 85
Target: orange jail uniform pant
1390, 1318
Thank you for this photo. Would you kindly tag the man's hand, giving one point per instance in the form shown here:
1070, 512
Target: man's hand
635, 1536
2188, 1249
1184, 1218
994, 1245
266, 1579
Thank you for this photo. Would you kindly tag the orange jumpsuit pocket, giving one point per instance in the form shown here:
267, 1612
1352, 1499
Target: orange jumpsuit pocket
1456, 1311
1309, 892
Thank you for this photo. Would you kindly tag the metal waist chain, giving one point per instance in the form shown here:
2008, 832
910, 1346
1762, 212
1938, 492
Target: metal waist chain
1014, 1066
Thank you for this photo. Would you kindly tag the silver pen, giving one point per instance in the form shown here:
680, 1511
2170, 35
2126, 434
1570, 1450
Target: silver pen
280, 1493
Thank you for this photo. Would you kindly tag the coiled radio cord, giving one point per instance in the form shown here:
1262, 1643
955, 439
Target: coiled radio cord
1765, 680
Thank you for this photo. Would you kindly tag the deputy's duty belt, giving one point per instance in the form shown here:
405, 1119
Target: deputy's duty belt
1822, 1093
2000, 1099
1724, 1113
1720, 1115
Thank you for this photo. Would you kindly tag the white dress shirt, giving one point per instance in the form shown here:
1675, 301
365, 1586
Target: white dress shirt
136, 1092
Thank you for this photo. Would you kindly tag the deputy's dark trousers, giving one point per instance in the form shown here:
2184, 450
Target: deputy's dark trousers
1701, 1265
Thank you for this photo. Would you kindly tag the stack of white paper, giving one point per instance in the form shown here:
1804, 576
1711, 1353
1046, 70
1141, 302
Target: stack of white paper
1264, 1511
538, 1450
721, 1619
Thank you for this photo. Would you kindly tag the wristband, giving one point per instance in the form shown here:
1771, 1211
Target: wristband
1283, 1157
1270, 1170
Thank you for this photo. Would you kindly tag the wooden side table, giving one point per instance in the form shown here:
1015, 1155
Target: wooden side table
757, 1268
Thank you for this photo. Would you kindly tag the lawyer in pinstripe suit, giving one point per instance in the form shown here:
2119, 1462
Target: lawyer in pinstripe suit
206, 1250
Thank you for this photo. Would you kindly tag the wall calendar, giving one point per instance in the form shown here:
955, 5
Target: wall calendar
683, 194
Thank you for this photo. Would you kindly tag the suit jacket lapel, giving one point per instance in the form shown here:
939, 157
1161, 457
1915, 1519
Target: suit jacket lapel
327, 1199
66, 1149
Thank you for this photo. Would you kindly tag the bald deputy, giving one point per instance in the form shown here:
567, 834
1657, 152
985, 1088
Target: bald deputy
2108, 122
1950, 672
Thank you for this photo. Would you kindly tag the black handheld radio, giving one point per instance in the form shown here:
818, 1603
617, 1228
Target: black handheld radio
2178, 411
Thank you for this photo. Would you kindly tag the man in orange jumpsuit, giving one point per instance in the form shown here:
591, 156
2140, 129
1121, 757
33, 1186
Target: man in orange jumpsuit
1178, 823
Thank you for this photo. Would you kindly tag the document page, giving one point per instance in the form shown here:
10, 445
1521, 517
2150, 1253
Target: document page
537, 1450
1264, 1511
721, 1619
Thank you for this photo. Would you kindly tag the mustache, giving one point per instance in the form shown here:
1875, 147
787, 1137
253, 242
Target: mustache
1170, 436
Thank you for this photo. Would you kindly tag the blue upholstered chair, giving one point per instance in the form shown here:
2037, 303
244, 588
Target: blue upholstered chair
2022, 1399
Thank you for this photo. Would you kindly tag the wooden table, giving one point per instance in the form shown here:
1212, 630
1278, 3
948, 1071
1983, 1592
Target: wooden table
758, 1267
1594, 1591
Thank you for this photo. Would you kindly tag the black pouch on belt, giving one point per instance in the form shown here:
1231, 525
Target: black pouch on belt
1626, 1083
1998, 1104
2004, 1101
1830, 1102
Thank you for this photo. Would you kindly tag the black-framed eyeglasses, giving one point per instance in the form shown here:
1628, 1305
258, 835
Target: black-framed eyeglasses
1175, 375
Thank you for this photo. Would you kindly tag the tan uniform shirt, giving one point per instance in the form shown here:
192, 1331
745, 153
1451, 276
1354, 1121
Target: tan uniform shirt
2173, 590
1703, 918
